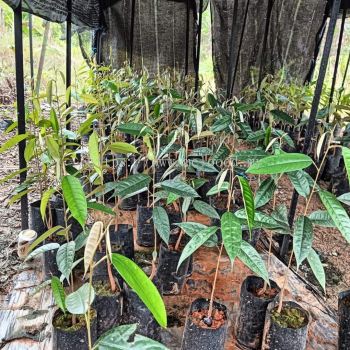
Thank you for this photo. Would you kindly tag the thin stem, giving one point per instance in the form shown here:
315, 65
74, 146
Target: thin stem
210, 310
284, 284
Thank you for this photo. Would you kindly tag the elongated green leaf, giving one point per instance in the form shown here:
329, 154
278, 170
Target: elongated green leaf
131, 185
280, 115
201, 165
74, 195
215, 189
183, 108
45, 235
12, 175
198, 240
201, 152
344, 198
122, 147
142, 286
265, 192
179, 187
168, 147
248, 199
29, 151
42, 249
300, 182
192, 228
44, 200
337, 213
321, 218
58, 293
161, 223
100, 207
280, 163
302, 239
78, 302
65, 258
135, 129
317, 268
251, 258
250, 155
13, 141
94, 153
118, 338
206, 209
53, 148
231, 230
346, 156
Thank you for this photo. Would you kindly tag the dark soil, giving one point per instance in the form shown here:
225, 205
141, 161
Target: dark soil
103, 289
218, 318
290, 318
268, 293
65, 321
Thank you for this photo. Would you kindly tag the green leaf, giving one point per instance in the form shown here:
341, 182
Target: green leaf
53, 148
13, 141
45, 235
344, 198
29, 150
192, 228
179, 187
215, 189
300, 182
205, 209
201, 165
231, 230
65, 258
321, 218
44, 200
265, 192
248, 199
183, 108
12, 175
133, 184
94, 153
249, 155
337, 213
302, 239
88, 98
198, 240
122, 147
280, 163
42, 249
74, 195
262, 220
251, 258
317, 268
78, 302
118, 339
280, 115
142, 286
100, 207
161, 223
346, 156
201, 152
58, 293
135, 129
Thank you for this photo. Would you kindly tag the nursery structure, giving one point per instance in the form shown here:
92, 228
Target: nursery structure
155, 220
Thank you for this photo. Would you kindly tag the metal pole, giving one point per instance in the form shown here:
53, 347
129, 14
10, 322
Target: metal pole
314, 109
199, 38
132, 29
187, 36
69, 54
31, 57
20, 106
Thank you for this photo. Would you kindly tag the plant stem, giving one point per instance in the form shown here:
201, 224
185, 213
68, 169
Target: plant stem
210, 310
284, 284
88, 314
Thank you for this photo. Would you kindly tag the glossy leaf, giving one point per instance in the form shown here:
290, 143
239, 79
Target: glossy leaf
198, 240
205, 209
74, 195
265, 192
45, 235
215, 189
179, 187
142, 286
302, 239
95, 153
344, 198
280, 163
250, 155
131, 185
53, 148
13, 141
337, 213
44, 200
58, 293
201, 165
135, 129
192, 228
161, 223
42, 249
282, 116
300, 182
122, 147
252, 259
317, 268
346, 156
321, 218
65, 258
248, 200
231, 230
78, 302
91, 244
100, 207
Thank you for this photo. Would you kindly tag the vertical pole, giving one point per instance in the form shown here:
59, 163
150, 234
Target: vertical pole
313, 113
69, 54
132, 30
199, 38
31, 56
20, 106
266, 34
187, 36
